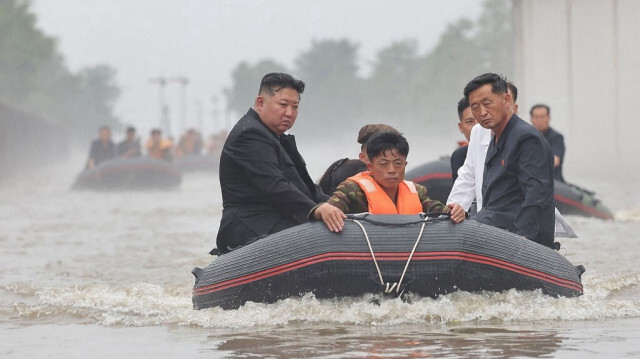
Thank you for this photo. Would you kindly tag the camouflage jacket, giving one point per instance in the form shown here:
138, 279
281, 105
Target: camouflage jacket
350, 198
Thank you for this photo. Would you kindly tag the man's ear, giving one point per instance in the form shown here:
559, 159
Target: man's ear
259, 104
507, 98
362, 157
515, 108
460, 127
369, 166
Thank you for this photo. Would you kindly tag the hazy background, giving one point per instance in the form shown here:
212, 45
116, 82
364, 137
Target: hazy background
206, 40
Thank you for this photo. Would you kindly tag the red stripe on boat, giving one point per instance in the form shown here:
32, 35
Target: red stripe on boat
387, 257
582, 207
431, 176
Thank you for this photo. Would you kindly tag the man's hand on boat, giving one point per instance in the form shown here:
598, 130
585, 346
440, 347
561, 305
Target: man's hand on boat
332, 216
457, 213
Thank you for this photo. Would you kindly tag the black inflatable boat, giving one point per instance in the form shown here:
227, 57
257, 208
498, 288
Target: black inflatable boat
129, 173
569, 199
383, 254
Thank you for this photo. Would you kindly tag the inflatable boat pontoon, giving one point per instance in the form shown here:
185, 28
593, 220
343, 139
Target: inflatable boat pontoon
130, 173
390, 254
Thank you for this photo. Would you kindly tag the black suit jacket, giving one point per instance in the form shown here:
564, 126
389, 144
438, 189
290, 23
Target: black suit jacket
265, 184
517, 191
556, 141
457, 160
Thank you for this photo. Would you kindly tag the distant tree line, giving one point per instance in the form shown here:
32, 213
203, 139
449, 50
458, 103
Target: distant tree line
404, 88
34, 77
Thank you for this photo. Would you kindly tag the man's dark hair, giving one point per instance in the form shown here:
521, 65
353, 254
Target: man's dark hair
498, 84
105, 127
540, 105
155, 130
463, 104
276, 81
514, 91
385, 141
131, 129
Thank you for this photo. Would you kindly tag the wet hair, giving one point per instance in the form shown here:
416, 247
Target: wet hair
540, 105
498, 84
156, 131
463, 104
385, 141
514, 91
276, 81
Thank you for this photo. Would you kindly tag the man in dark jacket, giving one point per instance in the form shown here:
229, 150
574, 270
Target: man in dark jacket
517, 189
102, 148
540, 118
264, 181
465, 124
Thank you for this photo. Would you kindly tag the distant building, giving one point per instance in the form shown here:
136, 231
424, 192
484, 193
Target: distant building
582, 58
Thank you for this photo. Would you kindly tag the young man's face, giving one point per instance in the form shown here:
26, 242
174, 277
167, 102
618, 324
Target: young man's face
280, 110
387, 169
467, 121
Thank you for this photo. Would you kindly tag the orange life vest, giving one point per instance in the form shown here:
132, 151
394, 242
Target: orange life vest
380, 203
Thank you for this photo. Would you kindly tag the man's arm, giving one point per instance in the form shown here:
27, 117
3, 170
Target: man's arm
456, 211
558, 149
347, 198
463, 190
258, 159
535, 177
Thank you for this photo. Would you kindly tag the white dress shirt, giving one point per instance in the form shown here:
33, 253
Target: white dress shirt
468, 185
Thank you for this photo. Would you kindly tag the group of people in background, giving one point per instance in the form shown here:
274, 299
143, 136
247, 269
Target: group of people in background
158, 147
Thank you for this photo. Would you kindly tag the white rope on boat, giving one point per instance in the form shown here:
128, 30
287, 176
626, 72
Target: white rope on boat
366, 236
389, 287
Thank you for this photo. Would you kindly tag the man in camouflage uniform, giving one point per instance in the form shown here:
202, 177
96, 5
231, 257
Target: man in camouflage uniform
387, 153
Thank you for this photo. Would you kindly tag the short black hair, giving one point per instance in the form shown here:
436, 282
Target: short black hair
131, 129
463, 104
275, 81
156, 130
384, 141
540, 105
514, 91
498, 84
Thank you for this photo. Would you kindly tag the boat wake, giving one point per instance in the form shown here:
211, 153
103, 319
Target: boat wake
145, 304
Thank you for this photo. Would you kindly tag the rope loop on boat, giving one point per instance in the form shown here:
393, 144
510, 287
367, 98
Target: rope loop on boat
390, 287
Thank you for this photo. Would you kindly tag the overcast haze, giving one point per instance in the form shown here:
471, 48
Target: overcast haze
205, 40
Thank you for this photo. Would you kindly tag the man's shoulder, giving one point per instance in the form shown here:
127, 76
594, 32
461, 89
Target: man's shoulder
249, 126
349, 186
553, 134
522, 130
460, 153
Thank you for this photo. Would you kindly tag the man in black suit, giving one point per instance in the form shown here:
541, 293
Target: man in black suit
518, 183
540, 118
467, 121
264, 181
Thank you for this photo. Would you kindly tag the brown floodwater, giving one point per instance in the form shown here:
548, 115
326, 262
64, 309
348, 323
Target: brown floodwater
103, 275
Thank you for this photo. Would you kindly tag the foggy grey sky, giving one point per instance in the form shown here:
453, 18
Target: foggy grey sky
205, 39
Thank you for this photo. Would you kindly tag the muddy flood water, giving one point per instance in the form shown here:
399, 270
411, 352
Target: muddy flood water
107, 275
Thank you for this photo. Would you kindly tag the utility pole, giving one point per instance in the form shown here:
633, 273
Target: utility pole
184, 82
163, 116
